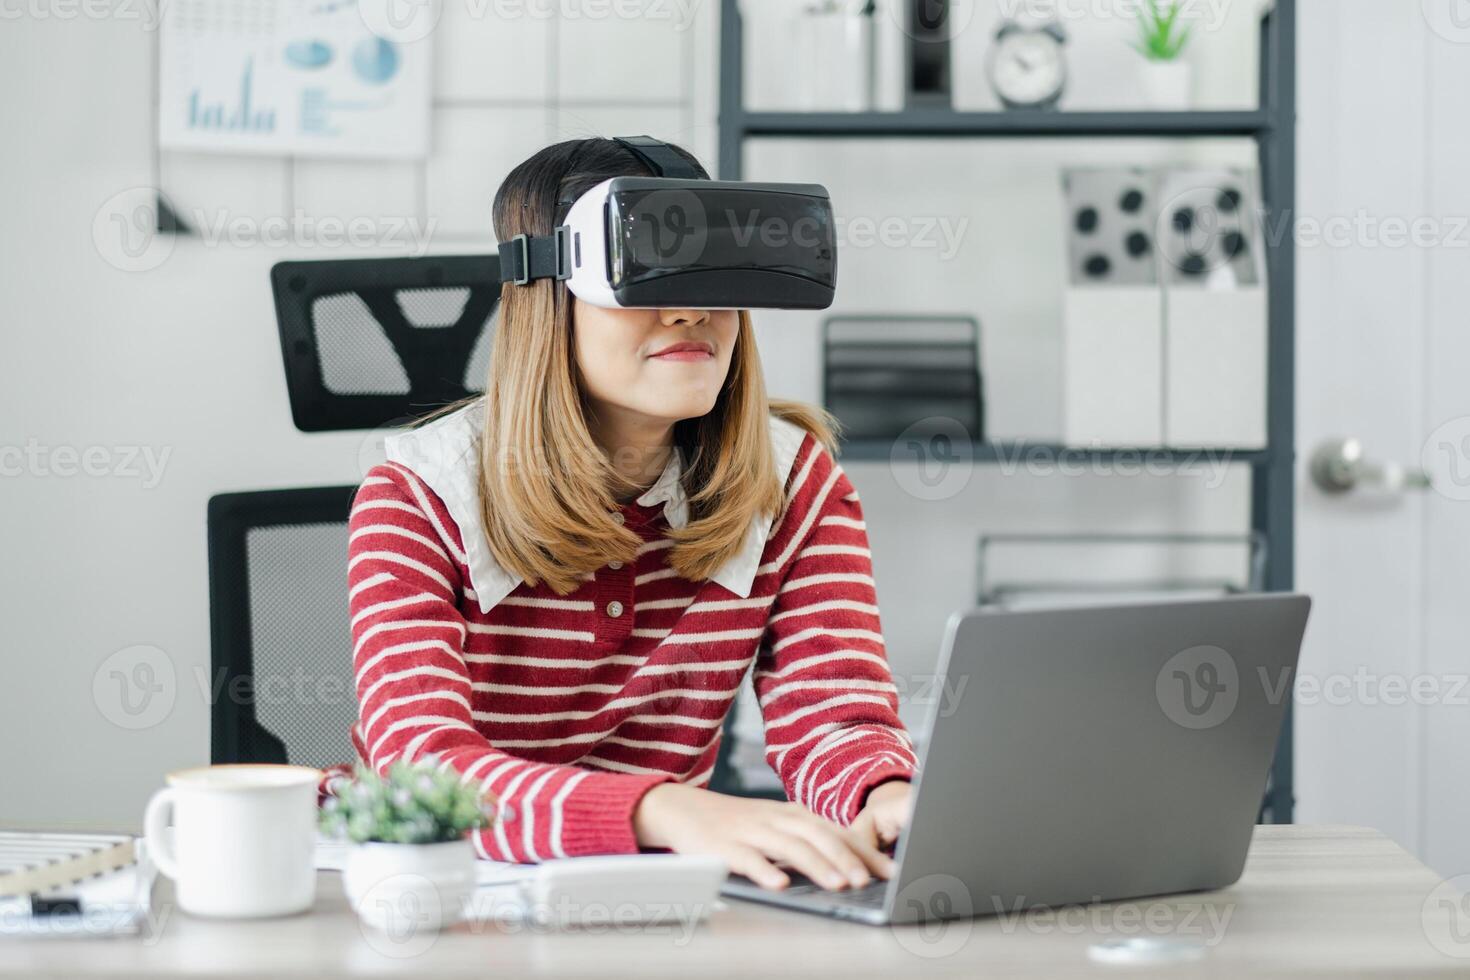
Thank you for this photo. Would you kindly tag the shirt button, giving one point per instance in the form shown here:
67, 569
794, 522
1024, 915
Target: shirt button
618, 517
615, 565
614, 609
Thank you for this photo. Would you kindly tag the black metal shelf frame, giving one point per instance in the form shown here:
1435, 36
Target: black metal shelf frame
1029, 123
1025, 453
1272, 124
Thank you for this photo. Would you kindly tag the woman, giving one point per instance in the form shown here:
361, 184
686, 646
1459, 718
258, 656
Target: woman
558, 589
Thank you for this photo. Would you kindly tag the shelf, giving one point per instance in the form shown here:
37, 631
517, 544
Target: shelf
1025, 453
1271, 125
949, 122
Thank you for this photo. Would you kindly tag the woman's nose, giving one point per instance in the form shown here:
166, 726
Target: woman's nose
671, 317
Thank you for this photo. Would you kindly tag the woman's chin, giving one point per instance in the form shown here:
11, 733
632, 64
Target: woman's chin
679, 409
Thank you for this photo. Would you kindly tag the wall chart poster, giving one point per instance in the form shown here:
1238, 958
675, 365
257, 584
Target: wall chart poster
300, 77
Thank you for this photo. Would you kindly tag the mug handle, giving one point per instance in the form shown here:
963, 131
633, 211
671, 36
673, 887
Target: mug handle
156, 821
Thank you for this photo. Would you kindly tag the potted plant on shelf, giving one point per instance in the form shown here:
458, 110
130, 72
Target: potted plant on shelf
412, 860
1165, 76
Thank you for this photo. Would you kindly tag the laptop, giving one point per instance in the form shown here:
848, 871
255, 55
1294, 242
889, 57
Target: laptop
1085, 755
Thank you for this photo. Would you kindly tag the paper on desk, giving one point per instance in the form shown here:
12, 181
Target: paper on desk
331, 855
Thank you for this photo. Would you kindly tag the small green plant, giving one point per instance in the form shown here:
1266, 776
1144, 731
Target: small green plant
1160, 36
412, 804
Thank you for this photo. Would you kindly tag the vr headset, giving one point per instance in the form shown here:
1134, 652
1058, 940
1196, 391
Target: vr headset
678, 240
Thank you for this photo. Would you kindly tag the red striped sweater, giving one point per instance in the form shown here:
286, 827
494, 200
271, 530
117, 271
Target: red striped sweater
569, 708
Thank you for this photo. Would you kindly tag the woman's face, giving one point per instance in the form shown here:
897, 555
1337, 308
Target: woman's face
653, 366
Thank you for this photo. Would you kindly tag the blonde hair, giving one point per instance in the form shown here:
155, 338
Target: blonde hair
547, 489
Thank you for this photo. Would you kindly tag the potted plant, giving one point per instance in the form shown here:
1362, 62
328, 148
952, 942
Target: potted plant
413, 862
1164, 74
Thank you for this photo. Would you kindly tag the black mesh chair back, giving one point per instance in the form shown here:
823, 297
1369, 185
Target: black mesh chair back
281, 644
372, 342
366, 343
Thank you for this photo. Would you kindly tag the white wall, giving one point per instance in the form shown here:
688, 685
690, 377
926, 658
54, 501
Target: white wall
182, 358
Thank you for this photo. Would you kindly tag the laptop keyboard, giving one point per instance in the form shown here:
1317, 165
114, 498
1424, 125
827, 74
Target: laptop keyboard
870, 896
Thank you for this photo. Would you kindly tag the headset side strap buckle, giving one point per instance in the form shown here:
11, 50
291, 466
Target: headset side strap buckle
562, 245
521, 244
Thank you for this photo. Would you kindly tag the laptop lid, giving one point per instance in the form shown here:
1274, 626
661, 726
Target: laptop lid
1096, 754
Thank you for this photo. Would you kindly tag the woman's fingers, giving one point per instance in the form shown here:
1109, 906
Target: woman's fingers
865, 829
785, 843
856, 841
878, 862
838, 847
746, 860
856, 845
753, 835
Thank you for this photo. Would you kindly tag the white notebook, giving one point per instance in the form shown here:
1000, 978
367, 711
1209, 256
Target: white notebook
73, 884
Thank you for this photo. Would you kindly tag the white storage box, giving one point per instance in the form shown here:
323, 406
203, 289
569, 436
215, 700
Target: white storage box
1216, 368
1112, 366
1212, 263
1112, 332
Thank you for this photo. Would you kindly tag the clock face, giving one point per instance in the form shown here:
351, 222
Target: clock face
1027, 68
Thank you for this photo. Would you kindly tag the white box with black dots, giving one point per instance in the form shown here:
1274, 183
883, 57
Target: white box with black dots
1112, 311
1164, 317
1212, 265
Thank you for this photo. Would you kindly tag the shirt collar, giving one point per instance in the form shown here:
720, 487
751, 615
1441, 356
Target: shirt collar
668, 490
444, 454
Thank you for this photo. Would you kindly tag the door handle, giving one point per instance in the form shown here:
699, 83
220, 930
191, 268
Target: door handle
1340, 465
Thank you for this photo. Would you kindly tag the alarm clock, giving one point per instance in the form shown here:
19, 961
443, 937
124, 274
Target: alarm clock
1027, 67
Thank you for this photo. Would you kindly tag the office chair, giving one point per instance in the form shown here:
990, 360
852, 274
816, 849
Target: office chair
365, 343
373, 342
280, 642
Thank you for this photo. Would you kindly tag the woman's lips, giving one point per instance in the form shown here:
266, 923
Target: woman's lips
685, 355
684, 351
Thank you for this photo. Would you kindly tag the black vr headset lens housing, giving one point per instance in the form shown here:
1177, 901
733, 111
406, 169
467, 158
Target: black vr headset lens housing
719, 244
649, 242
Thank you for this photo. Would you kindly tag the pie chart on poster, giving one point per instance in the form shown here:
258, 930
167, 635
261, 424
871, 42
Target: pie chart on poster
375, 60
308, 54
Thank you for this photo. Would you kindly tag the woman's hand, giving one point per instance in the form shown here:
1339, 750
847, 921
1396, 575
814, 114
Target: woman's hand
885, 813
753, 835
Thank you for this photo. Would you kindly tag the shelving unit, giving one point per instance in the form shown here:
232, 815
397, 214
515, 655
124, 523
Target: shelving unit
1046, 453
950, 122
1272, 125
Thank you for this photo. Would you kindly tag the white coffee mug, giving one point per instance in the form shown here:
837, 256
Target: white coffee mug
243, 839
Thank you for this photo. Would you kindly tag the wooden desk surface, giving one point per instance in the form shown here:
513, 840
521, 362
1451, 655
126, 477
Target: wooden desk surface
1329, 901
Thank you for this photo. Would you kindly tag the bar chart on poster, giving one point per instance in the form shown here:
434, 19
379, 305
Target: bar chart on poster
304, 77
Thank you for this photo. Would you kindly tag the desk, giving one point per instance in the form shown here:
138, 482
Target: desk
1329, 901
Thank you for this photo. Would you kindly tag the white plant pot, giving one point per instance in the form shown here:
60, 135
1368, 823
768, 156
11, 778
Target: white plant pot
398, 888
1165, 84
